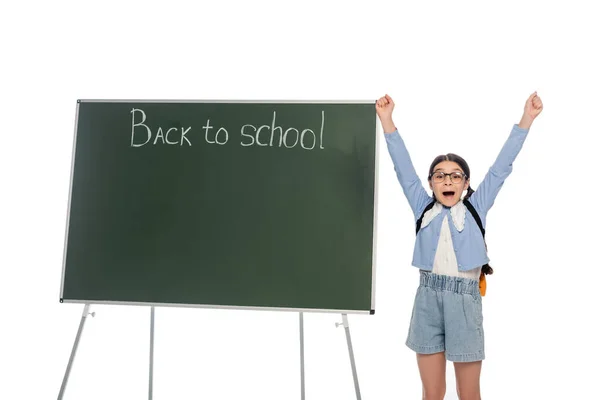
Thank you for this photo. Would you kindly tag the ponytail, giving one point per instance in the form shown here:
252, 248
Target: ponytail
486, 269
470, 191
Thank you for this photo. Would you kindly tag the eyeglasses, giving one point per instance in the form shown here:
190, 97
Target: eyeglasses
455, 177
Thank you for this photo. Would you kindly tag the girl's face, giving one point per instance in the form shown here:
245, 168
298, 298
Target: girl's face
448, 183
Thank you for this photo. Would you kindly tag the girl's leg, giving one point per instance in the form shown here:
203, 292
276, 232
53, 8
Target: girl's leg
467, 380
432, 368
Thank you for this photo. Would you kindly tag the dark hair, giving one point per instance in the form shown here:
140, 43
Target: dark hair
486, 269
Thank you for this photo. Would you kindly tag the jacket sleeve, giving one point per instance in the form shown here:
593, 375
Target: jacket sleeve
405, 171
485, 195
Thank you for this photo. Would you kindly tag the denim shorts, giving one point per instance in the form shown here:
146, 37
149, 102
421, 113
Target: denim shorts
447, 316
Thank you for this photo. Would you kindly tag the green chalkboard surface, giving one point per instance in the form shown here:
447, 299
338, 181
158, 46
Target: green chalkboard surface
223, 204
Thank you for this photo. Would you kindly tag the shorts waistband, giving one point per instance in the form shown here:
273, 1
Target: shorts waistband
451, 283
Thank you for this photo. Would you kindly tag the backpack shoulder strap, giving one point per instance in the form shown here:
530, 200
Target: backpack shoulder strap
420, 220
471, 209
485, 269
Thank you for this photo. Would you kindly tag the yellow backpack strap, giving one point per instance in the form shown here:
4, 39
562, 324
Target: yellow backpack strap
482, 284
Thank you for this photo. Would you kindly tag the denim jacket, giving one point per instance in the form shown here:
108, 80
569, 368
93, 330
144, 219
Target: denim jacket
469, 246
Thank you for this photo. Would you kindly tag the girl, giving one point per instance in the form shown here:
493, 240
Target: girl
447, 320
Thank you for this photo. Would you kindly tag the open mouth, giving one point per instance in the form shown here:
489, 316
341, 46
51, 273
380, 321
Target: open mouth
448, 194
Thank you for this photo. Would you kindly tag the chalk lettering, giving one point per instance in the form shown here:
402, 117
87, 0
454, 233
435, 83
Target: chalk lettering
285, 135
206, 128
247, 135
133, 125
258, 135
160, 136
322, 127
278, 137
275, 128
302, 139
167, 135
218, 133
183, 137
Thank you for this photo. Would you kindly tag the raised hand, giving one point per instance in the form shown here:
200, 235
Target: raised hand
533, 108
384, 107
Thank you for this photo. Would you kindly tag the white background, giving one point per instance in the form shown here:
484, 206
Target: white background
459, 72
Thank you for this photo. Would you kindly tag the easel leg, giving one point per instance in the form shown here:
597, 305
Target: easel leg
302, 391
86, 312
351, 352
151, 352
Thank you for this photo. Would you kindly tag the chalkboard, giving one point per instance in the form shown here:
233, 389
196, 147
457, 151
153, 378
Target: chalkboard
223, 204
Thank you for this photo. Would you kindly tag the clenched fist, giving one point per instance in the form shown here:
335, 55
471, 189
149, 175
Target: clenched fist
384, 107
533, 108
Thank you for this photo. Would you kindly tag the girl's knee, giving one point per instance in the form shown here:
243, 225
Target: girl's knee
434, 394
474, 395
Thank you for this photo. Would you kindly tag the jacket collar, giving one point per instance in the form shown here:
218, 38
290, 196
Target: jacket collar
457, 211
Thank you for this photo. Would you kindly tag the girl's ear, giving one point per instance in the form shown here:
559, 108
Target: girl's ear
467, 183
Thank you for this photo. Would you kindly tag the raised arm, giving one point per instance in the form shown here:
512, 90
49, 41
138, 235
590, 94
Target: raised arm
485, 195
405, 171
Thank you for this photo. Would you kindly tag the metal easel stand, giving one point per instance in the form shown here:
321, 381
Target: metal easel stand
86, 312
350, 351
150, 380
302, 382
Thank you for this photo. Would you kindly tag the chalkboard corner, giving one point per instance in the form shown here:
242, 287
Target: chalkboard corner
372, 312
61, 300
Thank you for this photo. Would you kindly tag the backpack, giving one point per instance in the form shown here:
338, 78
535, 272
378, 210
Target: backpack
467, 203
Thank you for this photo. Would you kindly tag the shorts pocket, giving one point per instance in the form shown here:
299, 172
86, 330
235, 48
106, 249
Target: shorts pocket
476, 308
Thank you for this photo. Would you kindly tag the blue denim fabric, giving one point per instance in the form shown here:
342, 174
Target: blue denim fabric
447, 316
